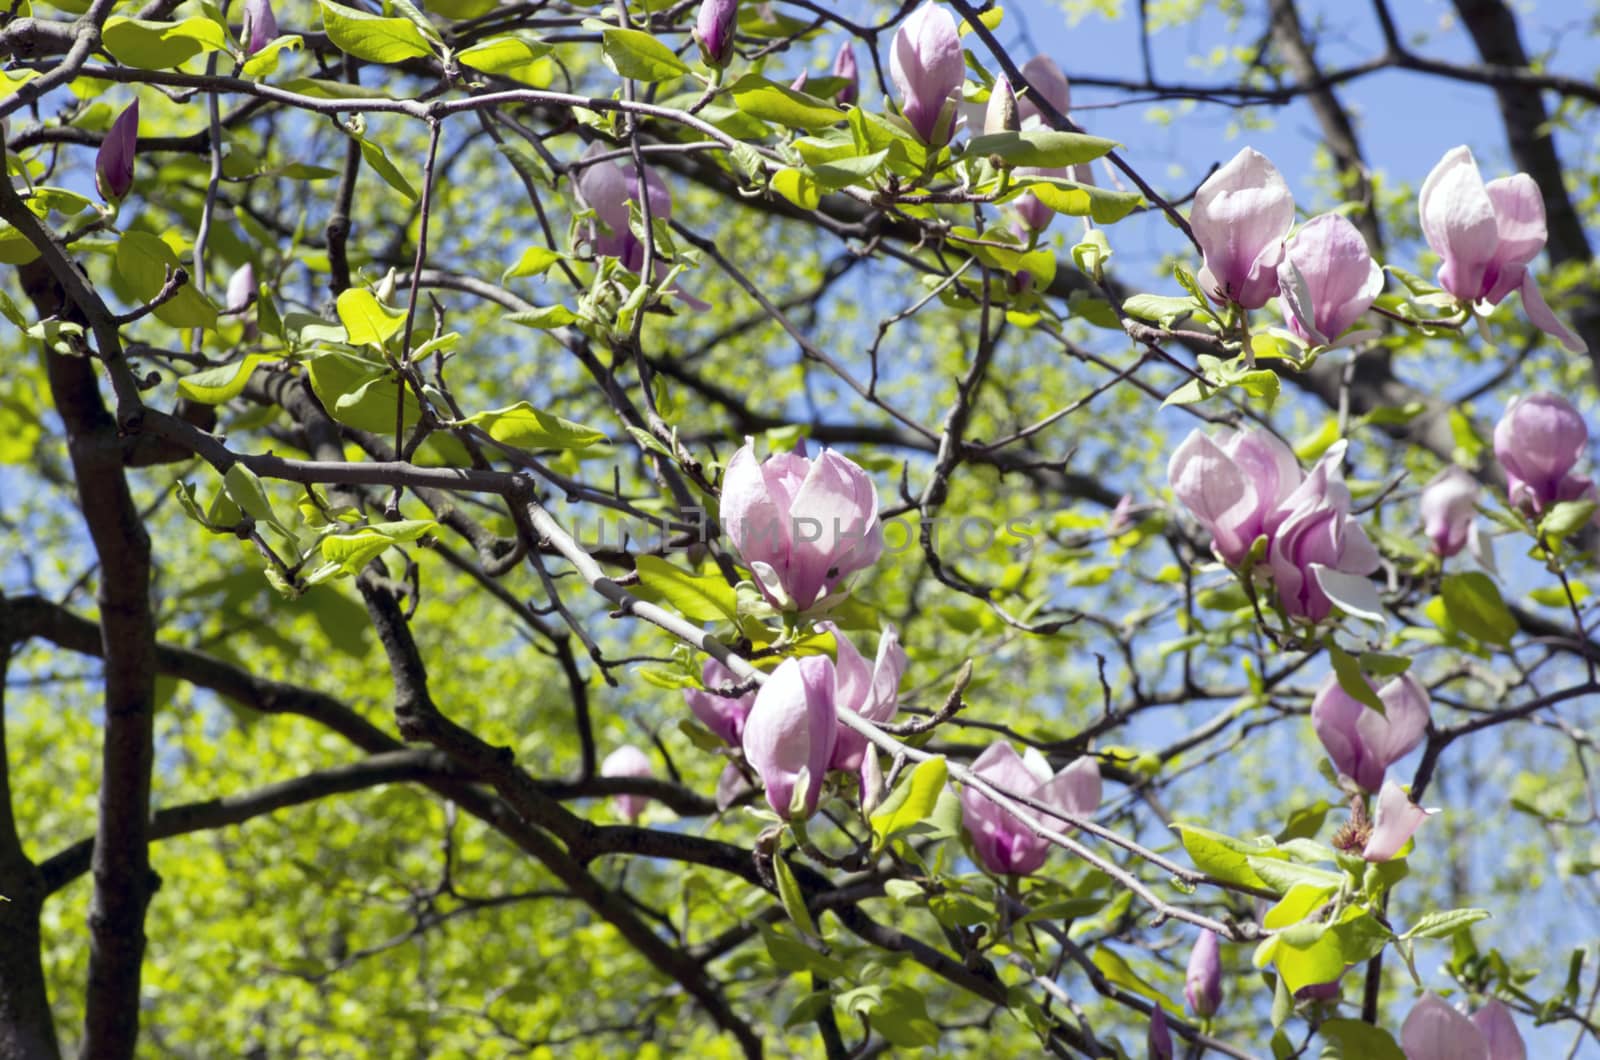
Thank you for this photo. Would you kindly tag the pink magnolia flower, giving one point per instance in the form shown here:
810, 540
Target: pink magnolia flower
723, 716
1499, 1031
926, 66
791, 731
113, 165
1363, 743
1241, 216
1436, 1031
1003, 843
713, 30
871, 691
1538, 442
628, 761
1396, 821
1487, 234
1313, 530
1051, 85
1233, 485
802, 526
1202, 985
608, 187
260, 25
1449, 502
844, 65
1327, 279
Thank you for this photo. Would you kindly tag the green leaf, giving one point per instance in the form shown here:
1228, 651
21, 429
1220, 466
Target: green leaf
1348, 670
375, 38
1373, 662
353, 551
360, 394
153, 45
1223, 857
798, 186
379, 161
1353, 1039
921, 794
1103, 205
902, 1018
550, 316
526, 427
793, 955
143, 262
1282, 876
781, 105
631, 53
535, 261
1443, 924
520, 58
265, 60
699, 598
1160, 308
1566, 518
1041, 147
1474, 605
367, 320
213, 386
793, 898
244, 489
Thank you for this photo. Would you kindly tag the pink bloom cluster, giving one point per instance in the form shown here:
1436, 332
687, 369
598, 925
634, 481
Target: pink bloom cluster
1247, 484
792, 735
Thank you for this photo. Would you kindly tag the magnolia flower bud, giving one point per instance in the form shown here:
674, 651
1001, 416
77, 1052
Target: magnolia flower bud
1487, 234
1240, 218
714, 29
1158, 1039
1202, 986
1448, 504
844, 65
1004, 844
1328, 279
790, 734
260, 25
1362, 743
802, 526
628, 761
926, 66
1001, 115
799, 83
241, 288
1538, 442
113, 166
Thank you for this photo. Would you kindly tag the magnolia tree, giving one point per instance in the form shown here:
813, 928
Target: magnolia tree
568, 528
